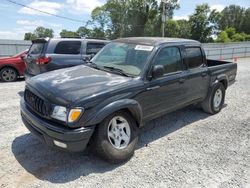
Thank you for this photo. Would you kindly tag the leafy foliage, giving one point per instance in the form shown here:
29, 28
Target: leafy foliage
39, 32
202, 23
68, 34
232, 16
223, 37
123, 18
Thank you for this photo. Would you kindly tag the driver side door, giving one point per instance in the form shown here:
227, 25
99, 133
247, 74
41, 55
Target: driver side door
166, 93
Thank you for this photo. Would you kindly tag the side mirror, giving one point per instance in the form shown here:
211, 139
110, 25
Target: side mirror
158, 71
92, 55
86, 59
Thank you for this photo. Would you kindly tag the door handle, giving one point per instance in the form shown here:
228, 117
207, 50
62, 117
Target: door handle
152, 88
182, 80
203, 74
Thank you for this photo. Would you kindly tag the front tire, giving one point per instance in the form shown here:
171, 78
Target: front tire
116, 137
215, 99
8, 74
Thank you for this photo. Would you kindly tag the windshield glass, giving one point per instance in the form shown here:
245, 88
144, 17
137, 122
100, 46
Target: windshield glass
130, 58
36, 48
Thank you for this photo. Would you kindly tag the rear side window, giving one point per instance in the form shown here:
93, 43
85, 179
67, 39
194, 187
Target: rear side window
170, 58
93, 48
68, 47
194, 57
36, 48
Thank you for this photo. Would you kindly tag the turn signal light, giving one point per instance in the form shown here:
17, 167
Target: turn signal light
74, 114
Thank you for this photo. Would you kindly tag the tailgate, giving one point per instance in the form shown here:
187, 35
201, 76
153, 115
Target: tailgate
34, 53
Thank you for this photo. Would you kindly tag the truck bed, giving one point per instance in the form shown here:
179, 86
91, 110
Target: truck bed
211, 62
217, 67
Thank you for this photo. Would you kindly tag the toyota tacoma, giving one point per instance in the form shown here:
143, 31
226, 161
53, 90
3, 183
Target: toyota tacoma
104, 103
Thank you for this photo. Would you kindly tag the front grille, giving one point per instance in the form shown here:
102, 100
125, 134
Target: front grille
36, 103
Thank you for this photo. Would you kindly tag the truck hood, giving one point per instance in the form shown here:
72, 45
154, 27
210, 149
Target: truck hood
65, 86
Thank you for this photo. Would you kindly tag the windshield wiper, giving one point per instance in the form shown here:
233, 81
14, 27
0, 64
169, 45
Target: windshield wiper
117, 70
93, 65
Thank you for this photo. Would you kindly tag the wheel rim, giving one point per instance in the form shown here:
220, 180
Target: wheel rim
217, 98
119, 132
9, 75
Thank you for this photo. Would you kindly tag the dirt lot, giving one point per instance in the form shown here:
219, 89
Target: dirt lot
187, 148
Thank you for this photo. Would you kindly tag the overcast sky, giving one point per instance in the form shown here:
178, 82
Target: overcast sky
16, 20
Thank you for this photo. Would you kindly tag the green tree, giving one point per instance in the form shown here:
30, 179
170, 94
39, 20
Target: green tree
39, 32
223, 37
100, 18
184, 29
246, 22
172, 28
232, 16
65, 33
230, 32
238, 37
170, 6
202, 24
97, 33
83, 31
122, 18
42, 32
29, 36
154, 23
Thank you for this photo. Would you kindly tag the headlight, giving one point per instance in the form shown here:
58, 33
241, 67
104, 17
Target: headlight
74, 114
59, 113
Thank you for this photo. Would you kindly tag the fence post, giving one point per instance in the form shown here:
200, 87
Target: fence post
221, 54
16, 48
233, 53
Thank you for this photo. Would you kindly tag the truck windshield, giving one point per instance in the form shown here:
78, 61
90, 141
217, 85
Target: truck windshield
130, 58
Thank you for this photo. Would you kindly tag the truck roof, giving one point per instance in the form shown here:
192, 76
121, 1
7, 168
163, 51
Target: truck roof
155, 41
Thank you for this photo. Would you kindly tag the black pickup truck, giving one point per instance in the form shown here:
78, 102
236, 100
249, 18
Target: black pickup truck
130, 81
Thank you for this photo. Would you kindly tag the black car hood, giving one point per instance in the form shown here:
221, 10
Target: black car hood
68, 85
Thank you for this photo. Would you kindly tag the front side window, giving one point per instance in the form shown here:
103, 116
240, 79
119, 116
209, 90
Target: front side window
68, 47
93, 48
170, 59
130, 58
194, 57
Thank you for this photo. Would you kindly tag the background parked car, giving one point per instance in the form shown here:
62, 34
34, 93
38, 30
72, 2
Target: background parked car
12, 67
50, 54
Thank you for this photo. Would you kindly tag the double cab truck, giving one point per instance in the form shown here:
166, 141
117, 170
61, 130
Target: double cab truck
106, 102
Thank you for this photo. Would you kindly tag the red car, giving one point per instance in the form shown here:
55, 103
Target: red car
12, 67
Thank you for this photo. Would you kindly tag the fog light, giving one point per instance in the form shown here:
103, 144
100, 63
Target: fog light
60, 144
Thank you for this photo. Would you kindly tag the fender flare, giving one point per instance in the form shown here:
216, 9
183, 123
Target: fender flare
124, 104
221, 78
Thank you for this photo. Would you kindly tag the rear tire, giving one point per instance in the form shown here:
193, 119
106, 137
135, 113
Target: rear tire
215, 99
116, 137
8, 74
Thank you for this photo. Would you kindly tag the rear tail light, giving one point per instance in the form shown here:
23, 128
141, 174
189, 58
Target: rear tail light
43, 60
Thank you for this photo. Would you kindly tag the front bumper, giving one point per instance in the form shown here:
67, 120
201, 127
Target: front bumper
74, 139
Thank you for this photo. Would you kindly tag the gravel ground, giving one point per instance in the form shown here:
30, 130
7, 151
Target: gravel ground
187, 148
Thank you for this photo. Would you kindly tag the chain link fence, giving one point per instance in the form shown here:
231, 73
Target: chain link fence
213, 50
228, 52
12, 47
